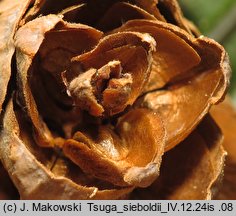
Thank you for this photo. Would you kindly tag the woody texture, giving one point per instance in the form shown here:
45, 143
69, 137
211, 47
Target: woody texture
105, 99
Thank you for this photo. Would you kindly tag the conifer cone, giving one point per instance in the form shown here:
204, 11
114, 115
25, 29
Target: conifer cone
109, 100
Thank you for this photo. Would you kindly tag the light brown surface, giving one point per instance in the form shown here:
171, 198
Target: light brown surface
225, 116
191, 169
122, 88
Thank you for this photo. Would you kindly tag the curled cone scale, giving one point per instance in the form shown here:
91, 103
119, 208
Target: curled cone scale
225, 116
109, 100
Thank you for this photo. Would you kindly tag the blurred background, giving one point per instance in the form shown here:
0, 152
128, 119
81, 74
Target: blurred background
216, 19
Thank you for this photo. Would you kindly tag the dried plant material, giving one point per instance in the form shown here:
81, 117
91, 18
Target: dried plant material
195, 158
178, 99
26, 52
171, 11
194, 30
174, 55
131, 70
178, 96
122, 152
151, 7
122, 87
10, 15
7, 189
112, 17
225, 116
25, 169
